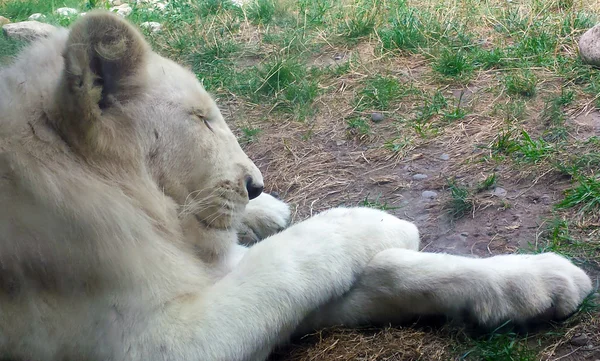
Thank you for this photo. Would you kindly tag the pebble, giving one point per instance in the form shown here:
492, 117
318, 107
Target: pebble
37, 16
153, 26
429, 194
419, 176
124, 10
499, 192
580, 340
66, 11
444, 156
377, 117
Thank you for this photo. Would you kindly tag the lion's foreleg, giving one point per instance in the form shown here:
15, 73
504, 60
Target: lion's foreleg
275, 286
399, 283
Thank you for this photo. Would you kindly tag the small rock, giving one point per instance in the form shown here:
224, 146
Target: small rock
4, 21
66, 11
580, 340
377, 117
419, 176
124, 10
429, 194
37, 16
153, 26
160, 6
589, 46
499, 192
115, 2
464, 234
27, 30
444, 156
337, 57
340, 142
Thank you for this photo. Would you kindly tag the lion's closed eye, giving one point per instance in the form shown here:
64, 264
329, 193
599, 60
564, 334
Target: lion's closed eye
204, 119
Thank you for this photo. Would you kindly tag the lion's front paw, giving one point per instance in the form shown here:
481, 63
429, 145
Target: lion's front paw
534, 287
264, 216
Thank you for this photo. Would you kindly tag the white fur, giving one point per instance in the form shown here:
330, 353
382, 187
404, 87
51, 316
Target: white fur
118, 242
264, 216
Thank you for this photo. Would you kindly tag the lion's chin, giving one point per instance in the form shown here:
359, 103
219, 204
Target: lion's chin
219, 220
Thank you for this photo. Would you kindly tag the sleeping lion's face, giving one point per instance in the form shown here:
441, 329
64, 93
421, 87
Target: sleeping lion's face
192, 153
119, 93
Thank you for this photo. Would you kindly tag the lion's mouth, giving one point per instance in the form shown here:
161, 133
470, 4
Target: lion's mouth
222, 216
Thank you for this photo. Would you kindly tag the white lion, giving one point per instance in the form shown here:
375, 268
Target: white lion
121, 190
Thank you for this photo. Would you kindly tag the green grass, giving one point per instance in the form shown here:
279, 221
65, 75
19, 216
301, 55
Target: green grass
377, 204
433, 105
558, 237
261, 12
585, 197
358, 126
21, 10
501, 347
488, 183
461, 202
522, 147
360, 22
314, 12
249, 135
522, 83
495, 58
381, 93
407, 31
454, 64
9, 48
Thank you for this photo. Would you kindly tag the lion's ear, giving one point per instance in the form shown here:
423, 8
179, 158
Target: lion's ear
104, 60
104, 65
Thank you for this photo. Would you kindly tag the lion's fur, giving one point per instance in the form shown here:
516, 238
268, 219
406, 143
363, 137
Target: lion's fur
83, 206
121, 192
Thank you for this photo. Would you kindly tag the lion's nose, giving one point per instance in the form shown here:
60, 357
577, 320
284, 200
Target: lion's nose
254, 189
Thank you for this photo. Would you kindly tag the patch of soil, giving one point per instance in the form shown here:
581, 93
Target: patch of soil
586, 125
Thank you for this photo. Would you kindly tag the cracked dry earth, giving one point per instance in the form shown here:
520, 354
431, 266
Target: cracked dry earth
319, 163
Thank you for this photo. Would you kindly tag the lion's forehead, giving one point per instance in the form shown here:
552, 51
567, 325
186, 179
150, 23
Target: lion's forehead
172, 82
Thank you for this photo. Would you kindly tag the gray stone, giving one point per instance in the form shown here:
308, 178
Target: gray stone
499, 192
37, 16
4, 21
153, 26
27, 30
589, 46
419, 176
377, 117
444, 156
66, 11
429, 194
124, 9
580, 340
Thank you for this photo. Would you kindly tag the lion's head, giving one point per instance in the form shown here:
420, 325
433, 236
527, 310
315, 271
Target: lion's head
120, 99
108, 109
